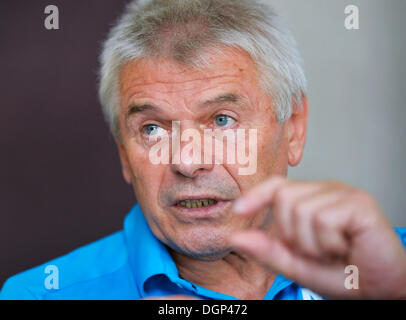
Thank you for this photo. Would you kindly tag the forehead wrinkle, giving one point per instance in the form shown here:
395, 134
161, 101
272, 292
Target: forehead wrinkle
228, 95
168, 68
141, 85
199, 89
162, 82
226, 80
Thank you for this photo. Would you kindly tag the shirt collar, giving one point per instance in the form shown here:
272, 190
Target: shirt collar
149, 256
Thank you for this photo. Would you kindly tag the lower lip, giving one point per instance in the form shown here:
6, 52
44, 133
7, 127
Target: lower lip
204, 212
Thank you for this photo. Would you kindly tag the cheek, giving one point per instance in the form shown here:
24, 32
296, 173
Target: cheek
138, 157
146, 176
268, 156
267, 152
271, 153
273, 158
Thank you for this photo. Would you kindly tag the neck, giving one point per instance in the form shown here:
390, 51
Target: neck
235, 275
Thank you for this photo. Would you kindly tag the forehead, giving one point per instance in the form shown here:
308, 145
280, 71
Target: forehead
166, 75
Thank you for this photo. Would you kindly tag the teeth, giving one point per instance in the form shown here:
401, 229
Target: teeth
197, 203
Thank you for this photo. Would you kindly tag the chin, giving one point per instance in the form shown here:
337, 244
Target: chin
205, 245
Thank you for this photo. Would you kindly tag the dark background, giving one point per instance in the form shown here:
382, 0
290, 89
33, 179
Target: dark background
60, 178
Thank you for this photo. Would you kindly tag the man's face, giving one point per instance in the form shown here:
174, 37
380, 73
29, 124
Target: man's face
224, 96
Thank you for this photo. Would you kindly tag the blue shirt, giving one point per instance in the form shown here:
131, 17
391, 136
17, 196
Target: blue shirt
129, 264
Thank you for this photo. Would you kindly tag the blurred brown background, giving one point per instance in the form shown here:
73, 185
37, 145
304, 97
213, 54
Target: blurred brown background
60, 179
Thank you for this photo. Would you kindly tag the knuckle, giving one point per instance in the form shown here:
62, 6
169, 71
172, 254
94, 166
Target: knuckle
322, 221
338, 186
362, 197
333, 245
301, 210
311, 251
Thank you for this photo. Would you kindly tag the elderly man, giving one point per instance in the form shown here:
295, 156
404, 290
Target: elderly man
210, 229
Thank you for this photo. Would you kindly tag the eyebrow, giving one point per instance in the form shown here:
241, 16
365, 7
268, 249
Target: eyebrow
137, 108
221, 99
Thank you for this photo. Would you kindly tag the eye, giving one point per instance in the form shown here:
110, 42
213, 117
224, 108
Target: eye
224, 121
153, 130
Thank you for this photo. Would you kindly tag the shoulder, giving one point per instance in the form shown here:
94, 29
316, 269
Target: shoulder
95, 266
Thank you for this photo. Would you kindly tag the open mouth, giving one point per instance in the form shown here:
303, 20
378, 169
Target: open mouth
188, 207
196, 203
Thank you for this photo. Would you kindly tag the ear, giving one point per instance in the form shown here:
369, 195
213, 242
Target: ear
125, 165
297, 125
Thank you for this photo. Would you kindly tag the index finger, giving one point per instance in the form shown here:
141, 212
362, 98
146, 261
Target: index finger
259, 197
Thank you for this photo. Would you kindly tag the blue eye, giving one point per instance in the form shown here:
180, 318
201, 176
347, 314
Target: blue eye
153, 130
223, 120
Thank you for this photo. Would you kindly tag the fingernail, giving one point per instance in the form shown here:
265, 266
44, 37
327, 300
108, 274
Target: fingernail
239, 206
235, 240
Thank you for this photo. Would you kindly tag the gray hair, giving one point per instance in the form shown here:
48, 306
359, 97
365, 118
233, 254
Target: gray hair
182, 29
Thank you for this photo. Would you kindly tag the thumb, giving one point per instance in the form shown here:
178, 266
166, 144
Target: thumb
266, 250
327, 280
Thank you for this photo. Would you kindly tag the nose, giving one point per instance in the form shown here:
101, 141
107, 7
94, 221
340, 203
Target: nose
189, 153
190, 170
